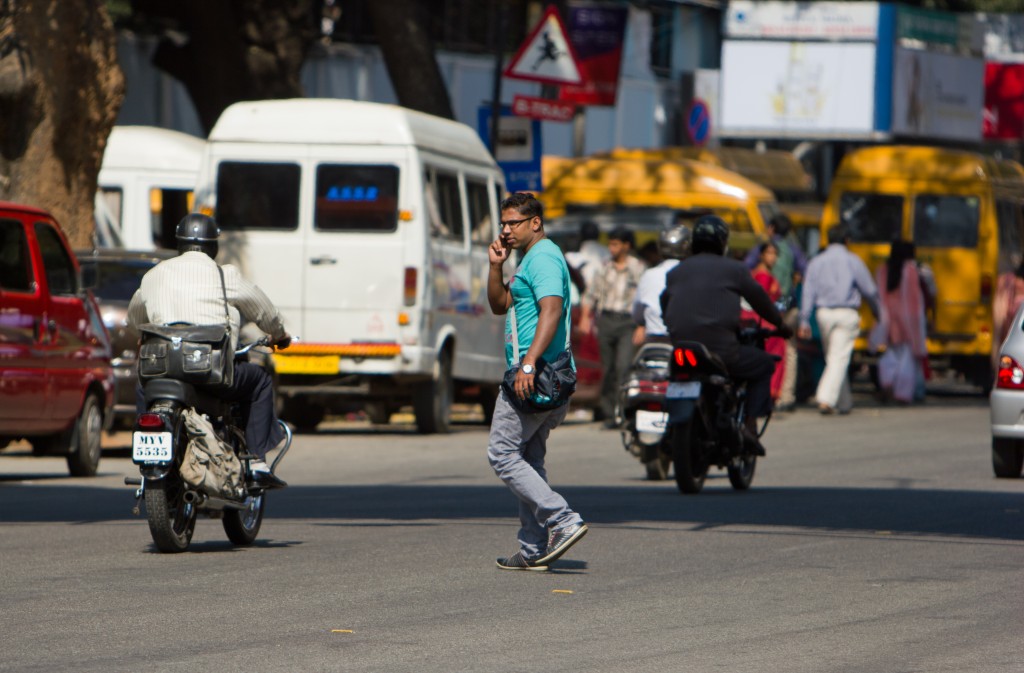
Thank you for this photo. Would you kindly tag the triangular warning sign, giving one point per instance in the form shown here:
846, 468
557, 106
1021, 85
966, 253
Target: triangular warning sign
547, 55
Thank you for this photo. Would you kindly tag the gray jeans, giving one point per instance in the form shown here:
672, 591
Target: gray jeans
516, 450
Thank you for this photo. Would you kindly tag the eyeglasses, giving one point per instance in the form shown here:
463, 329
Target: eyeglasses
514, 223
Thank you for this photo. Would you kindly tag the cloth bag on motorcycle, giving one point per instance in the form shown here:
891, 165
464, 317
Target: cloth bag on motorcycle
198, 354
553, 382
209, 465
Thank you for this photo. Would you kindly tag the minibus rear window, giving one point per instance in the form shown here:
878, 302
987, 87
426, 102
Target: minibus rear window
871, 218
946, 221
351, 197
262, 196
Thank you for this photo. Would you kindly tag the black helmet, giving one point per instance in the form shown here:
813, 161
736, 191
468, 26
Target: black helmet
710, 234
674, 243
197, 232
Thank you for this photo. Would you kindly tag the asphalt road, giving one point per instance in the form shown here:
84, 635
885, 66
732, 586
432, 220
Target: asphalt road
878, 541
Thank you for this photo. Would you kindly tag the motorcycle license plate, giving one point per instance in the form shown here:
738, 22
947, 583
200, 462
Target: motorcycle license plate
651, 421
683, 390
152, 447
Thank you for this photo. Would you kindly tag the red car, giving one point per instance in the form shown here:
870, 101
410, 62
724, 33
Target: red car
56, 381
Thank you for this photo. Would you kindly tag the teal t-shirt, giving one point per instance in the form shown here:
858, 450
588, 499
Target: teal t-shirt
541, 273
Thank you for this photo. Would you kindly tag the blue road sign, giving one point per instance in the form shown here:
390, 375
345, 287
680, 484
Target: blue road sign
698, 122
519, 148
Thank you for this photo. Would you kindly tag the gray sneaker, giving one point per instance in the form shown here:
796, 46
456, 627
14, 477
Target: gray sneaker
518, 562
560, 540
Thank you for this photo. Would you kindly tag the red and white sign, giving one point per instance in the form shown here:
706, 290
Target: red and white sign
542, 108
547, 55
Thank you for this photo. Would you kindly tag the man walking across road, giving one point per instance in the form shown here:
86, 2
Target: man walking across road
837, 281
610, 298
538, 296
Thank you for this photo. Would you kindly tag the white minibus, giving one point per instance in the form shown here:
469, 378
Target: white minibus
368, 226
146, 182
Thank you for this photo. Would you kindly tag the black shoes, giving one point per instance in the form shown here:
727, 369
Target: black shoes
560, 540
267, 480
753, 443
518, 562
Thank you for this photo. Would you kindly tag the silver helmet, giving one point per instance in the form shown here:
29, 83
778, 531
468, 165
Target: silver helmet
674, 243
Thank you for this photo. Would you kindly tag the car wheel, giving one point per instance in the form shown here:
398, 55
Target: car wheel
1007, 457
86, 439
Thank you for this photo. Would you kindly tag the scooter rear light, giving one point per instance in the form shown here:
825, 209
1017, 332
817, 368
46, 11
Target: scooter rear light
150, 422
652, 406
653, 387
1011, 374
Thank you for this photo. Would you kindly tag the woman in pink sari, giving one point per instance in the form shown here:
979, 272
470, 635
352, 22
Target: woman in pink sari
901, 325
768, 253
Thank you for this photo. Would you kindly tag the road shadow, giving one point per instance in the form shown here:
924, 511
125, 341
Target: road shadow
967, 514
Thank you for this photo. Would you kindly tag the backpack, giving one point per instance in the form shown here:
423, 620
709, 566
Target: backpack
210, 465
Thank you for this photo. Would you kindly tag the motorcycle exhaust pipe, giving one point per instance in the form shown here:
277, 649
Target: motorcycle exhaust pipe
202, 500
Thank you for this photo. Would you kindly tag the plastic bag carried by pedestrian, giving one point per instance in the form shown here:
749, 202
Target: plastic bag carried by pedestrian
897, 372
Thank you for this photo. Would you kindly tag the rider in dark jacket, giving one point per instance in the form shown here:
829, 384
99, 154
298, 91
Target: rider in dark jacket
701, 302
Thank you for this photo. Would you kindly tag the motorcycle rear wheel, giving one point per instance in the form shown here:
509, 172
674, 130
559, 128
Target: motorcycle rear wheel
171, 520
742, 474
242, 526
690, 467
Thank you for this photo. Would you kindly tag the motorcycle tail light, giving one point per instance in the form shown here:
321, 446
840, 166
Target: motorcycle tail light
653, 387
150, 422
685, 357
653, 406
1011, 374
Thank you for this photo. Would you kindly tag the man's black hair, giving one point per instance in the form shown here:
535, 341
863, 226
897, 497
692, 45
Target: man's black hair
622, 234
838, 233
524, 203
782, 224
589, 231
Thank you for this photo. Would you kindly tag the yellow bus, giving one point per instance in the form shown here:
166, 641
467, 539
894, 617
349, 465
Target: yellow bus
607, 182
963, 211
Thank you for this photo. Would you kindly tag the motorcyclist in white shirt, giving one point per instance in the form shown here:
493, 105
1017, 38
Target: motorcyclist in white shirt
674, 246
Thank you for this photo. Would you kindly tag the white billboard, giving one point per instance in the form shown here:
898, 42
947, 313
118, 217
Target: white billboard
937, 95
803, 20
807, 89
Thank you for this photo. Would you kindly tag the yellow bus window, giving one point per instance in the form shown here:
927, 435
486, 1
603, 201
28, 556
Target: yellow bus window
946, 221
872, 218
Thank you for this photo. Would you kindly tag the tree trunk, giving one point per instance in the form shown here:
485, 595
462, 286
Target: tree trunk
234, 50
60, 90
401, 28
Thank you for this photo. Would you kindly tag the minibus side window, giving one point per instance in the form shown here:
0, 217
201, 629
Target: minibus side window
257, 196
15, 262
444, 205
946, 221
1011, 235
872, 218
479, 213
352, 197
113, 196
59, 269
167, 207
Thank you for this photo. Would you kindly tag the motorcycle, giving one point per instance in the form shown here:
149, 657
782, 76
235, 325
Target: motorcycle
641, 409
706, 415
159, 445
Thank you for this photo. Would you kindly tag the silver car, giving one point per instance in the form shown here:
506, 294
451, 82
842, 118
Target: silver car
1007, 403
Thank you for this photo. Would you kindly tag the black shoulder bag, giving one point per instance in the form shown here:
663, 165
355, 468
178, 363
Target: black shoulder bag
198, 354
553, 382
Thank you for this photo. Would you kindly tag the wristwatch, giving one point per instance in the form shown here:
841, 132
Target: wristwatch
528, 369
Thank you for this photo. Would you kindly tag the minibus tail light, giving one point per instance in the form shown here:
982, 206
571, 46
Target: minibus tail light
1011, 374
986, 288
410, 285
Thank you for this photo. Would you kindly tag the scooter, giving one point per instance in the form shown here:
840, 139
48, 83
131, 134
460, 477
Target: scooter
642, 416
706, 416
159, 444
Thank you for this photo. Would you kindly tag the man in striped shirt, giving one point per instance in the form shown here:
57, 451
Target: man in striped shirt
188, 289
610, 298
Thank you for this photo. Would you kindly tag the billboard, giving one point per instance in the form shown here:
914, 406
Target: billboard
596, 32
802, 20
937, 95
806, 89
1004, 101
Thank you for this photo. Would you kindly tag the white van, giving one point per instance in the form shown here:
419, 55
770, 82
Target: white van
146, 183
368, 226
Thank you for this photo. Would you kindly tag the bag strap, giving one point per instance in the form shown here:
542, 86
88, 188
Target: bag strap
224, 290
515, 331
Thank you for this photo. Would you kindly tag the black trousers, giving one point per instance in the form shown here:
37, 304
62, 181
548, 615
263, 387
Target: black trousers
254, 389
615, 343
755, 367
